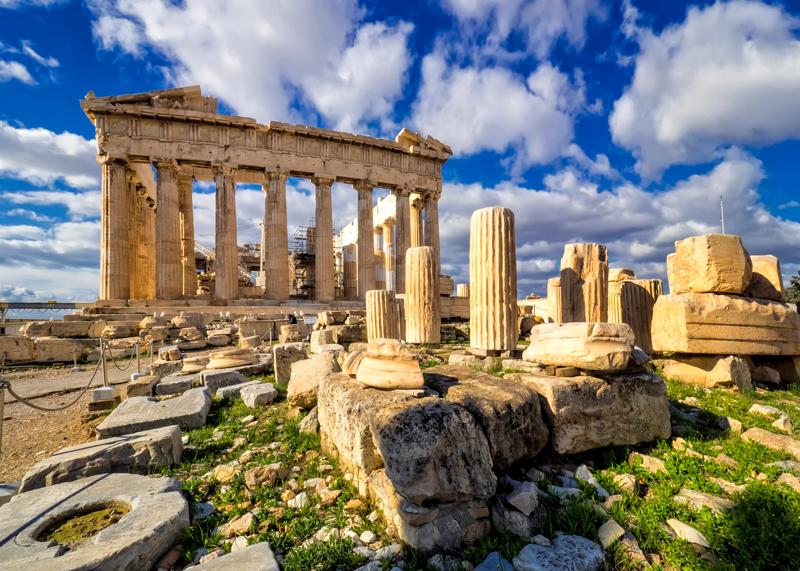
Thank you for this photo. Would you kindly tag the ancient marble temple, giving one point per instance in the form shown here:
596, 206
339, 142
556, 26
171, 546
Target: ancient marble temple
152, 146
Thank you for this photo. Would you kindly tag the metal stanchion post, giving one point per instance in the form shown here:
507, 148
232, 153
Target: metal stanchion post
103, 358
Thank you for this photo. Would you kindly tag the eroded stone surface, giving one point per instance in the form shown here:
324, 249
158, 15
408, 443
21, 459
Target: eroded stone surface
136, 414
709, 370
566, 552
590, 346
158, 514
217, 379
256, 557
588, 412
769, 439
388, 364
711, 263
284, 354
306, 376
509, 413
140, 452
258, 395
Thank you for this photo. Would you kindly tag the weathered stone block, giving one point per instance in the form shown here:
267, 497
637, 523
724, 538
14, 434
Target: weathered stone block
346, 334
590, 346
509, 413
142, 387
37, 329
320, 337
711, 263
305, 378
284, 354
584, 413
136, 414
767, 281
584, 283
709, 370
433, 450
55, 350
140, 453
714, 324
215, 380
388, 364
258, 395
70, 328
16, 348
174, 384
158, 513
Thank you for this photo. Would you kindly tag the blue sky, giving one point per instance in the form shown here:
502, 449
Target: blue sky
613, 121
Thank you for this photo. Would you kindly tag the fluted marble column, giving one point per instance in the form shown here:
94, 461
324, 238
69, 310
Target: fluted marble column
415, 221
226, 283
388, 253
323, 253
554, 299
140, 253
584, 282
135, 230
366, 252
462, 290
188, 264
402, 238
277, 237
637, 298
432, 225
493, 281
169, 283
421, 301
114, 231
380, 267
383, 319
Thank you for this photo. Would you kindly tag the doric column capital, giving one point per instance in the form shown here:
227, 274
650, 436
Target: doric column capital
323, 179
224, 169
275, 176
170, 164
185, 177
401, 192
363, 186
112, 159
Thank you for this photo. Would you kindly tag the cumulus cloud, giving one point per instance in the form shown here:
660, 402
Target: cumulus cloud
638, 226
10, 70
477, 109
42, 156
29, 3
541, 23
727, 75
79, 205
266, 59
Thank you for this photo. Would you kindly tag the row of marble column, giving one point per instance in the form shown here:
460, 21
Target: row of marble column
148, 251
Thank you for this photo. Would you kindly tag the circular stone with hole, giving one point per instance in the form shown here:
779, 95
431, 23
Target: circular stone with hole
103, 522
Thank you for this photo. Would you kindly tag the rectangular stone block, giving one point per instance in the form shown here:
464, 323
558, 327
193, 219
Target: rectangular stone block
714, 324
15, 348
70, 328
767, 282
188, 410
56, 350
711, 263
174, 384
215, 380
590, 346
584, 413
709, 370
141, 387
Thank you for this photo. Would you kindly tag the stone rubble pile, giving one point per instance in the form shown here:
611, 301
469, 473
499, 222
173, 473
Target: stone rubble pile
725, 321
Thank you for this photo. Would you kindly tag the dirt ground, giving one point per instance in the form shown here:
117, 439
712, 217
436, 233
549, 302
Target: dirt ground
30, 435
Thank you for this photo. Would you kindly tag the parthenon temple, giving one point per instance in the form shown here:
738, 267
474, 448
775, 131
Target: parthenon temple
152, 146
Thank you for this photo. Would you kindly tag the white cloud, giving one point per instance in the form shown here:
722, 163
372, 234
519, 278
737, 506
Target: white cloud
79, 205
27, 49
29, 3
267, 58
639, 227
493, 109
728, 75
42, 156
541, 23
14, 70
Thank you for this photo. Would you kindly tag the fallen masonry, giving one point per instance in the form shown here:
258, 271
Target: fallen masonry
156, 513
187, 410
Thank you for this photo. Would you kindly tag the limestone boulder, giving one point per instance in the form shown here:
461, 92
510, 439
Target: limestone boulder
346, 334
388, 364
256, 557
194, 364
70, 328
283, 355
713, 324
142, 387
320, 337
509, 413
216, 379
709, 370
345, 408
571, 552
232, 392
218, 339
158, 333
328, 318
15, 348
589, 346
767, 281
158, 513
169, 353
258, 395
174, 384
141, 453
136, 414
584, 413
711, 263
292, 333
305, 378
433, 450
57, 350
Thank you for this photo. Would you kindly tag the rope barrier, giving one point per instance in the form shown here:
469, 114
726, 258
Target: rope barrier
114, 361
7, 385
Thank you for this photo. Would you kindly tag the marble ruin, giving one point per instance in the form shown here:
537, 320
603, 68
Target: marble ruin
421, 307
148, 243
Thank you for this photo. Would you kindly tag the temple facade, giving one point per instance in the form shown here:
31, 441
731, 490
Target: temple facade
152, 146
